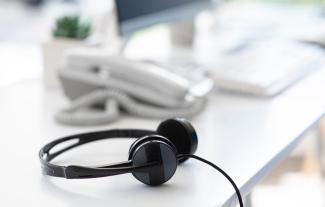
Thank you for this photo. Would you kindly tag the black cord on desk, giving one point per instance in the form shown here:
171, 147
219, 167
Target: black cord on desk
220, 170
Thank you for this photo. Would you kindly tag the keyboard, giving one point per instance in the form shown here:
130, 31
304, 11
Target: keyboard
267, 68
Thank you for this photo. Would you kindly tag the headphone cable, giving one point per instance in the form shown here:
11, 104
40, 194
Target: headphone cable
218, 169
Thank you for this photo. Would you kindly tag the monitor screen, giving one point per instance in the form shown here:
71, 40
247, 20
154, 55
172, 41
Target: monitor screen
133, 15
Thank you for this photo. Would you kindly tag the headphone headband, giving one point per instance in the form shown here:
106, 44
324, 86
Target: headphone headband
86, 172
152, 159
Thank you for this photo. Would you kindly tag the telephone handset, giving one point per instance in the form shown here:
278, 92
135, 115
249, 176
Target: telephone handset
91, 78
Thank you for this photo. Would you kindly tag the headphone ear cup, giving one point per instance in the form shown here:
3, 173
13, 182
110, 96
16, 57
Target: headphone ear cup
154, 149
181, 133
142, 140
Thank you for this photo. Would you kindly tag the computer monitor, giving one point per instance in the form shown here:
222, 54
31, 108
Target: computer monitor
133, 15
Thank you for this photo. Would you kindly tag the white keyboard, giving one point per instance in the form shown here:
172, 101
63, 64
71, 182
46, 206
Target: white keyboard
267, 68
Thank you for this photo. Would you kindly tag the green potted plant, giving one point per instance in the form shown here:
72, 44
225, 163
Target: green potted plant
69, 32
71, 27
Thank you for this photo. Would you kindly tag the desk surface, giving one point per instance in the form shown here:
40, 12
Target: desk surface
246, 136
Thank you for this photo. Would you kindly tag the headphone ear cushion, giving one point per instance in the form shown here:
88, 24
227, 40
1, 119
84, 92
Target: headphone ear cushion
181, 133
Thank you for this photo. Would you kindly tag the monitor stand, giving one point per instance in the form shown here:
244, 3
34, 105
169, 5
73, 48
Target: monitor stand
182, 34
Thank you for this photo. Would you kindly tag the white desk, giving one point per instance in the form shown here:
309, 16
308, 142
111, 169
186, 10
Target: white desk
246, 136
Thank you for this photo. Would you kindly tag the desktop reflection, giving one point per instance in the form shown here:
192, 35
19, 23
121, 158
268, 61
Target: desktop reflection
108, 191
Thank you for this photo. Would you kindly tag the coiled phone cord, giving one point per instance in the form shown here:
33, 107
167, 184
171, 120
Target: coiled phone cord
218, 169
115, 100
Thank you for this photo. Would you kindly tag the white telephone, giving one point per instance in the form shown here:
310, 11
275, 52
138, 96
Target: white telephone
93, 78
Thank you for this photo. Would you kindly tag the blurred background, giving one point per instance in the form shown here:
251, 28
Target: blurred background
26, 24
27, 28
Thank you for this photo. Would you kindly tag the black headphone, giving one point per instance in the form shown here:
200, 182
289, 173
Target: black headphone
153, 157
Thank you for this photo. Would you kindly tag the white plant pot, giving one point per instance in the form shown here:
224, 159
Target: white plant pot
53, 58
